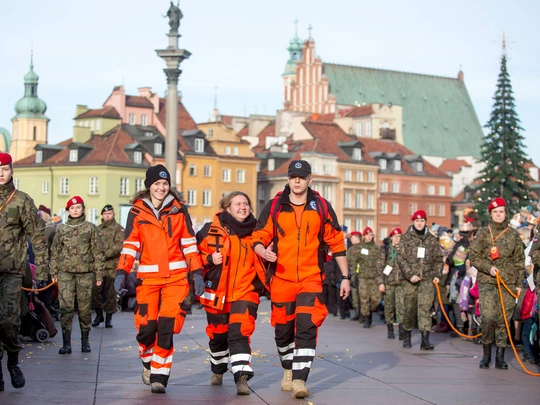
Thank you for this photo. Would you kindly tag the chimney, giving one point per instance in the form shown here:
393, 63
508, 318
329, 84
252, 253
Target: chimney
80, 109
145, 92
460, 75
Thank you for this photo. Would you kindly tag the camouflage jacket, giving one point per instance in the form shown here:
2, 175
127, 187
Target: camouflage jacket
511, 261
388, 257
362, 258
112, 234
409, 250
535, 256
19, 219
77, 248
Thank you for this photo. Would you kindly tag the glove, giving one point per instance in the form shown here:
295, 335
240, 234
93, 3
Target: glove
41, 284
119, 284
199, 284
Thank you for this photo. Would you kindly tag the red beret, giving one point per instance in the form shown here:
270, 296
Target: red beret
356, 233
469, 220
396, 231
420, 214
73, 201
5, 159
497, 202
368, 230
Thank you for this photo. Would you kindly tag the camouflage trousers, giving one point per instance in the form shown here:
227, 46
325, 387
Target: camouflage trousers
370, 296
393, 303
71, 285
10, 312
418, 299
106, 288
493, 327
355, 293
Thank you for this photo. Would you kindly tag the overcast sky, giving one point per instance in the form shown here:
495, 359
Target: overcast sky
82, 49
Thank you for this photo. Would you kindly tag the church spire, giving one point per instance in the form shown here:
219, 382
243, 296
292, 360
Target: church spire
295, 52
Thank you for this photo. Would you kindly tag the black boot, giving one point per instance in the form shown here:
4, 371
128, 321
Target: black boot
367, 321
390, 331
407, 339
426, 344
108, 319
486, 358
499, 359
66, 348
99, 317
85, 344
1, 377
17, 377
401, 332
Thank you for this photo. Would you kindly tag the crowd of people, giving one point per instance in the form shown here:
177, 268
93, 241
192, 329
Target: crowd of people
295, 253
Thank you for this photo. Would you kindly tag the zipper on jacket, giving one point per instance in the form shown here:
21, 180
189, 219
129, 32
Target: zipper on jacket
307, 233
169, 226
237, 261
298, 255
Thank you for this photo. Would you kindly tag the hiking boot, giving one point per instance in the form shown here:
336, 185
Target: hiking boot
17, 377
407, 339
391, 334
157, 388
486, 358
146, 375
499, 359
367, 321
299, 389
216, 379
426, 344
286, 381
85, 344
242, 386
401, 332
108, 320
99, 317
66, 348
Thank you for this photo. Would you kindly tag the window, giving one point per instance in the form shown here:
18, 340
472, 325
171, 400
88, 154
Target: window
207, 171
359, 176
327, 192
418, 167
370, 201
384, 187
45, 187
383, 232
143, 120
39, 156
347, 200
206, 198
93, 186
368, 129
358, 224
227, 150
442, 190
369, 223
359, 200
430, 210
226, 175
347, 222
258, 167
348, 175
148, 133
382, 164
395, 187
73, 155
271, 165
357, 154
16, 183
397, 165
199, 145
240, 176
371, 177
210, 133
261, 192
98, 125
124, 186
395, 209
384, 208
412, 208
192, 197
64, 186
92, 215
359, 128
235, 151
131, 119
440, 210
327, 169
139, 184
192, 170
158, 149
431, 190
414, 189
91, 125
137, 157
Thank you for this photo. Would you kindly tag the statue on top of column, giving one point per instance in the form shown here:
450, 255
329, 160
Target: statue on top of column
175, 15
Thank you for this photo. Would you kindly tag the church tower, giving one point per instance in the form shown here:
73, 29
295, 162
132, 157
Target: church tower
289, 76
30, 125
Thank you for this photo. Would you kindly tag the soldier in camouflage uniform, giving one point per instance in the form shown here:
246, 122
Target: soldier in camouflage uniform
389, 279
356, 238
364, 257
18, 220
112, 234
497, 249
77, 252
420, 260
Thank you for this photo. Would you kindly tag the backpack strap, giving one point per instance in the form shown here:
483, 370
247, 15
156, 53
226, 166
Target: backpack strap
274, 213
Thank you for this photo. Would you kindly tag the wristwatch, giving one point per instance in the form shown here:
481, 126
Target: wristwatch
347, 277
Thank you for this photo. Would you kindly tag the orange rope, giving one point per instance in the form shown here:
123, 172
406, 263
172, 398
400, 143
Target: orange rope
35, 290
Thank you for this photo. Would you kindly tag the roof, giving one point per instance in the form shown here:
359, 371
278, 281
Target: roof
438, 116
138, 101
185, 121
453, 165
105, 112
243, 132
360, 111
269, 130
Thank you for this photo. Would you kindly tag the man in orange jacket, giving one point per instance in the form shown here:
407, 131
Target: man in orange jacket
294, 245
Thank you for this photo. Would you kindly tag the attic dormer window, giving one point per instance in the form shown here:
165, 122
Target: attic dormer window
148, 133
137, 157
418, 167
73, 155
158, 149
382, 164
397, 165
39, 156
357, 154
199, 145
271, 165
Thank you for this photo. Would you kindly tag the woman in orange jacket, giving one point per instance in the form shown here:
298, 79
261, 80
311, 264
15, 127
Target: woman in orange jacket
233, 274
160, 234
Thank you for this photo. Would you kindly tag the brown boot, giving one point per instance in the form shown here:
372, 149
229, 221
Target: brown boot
242, 387
299, 389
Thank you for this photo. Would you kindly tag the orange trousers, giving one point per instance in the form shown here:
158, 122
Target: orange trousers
298, 311
158, 317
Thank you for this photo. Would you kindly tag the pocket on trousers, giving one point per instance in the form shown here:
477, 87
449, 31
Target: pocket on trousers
141, 316
247, 326
319, 312
179, 320
279, 315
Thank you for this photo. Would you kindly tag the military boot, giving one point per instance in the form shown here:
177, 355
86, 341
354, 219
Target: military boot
66, 348
426, 344
407, 339
499, 359
108, 321
391, 334
401, 332
242, 387
486, 358
85, 344
1, 377
367, 321
99, 317
17, 377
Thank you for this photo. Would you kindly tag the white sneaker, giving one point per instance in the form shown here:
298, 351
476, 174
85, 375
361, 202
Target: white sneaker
286, 382
146, 376
299, 389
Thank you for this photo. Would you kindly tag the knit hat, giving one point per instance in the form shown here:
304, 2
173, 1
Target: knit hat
367, 230
5, 159
155, 173
396, 231
108, 207
420, 214
73, 201
299, 168
44, 209
497, 202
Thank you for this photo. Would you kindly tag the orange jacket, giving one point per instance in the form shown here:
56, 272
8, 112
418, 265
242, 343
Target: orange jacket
165, 246
299, 249
240, 271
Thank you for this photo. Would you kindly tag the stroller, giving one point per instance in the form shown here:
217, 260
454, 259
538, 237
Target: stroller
36, 322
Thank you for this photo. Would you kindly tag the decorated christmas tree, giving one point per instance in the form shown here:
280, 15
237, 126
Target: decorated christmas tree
503, 152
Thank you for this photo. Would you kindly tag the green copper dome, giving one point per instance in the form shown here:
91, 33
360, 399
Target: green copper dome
5, 140
295, 54
30, 106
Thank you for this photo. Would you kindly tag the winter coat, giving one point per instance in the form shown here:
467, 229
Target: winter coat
364, 257
112, 234
409, 262
387, 257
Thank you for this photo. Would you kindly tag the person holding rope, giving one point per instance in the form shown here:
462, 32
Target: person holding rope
18, 219
497, 252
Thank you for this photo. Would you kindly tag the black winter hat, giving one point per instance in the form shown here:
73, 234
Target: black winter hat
106, 208
155, 173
